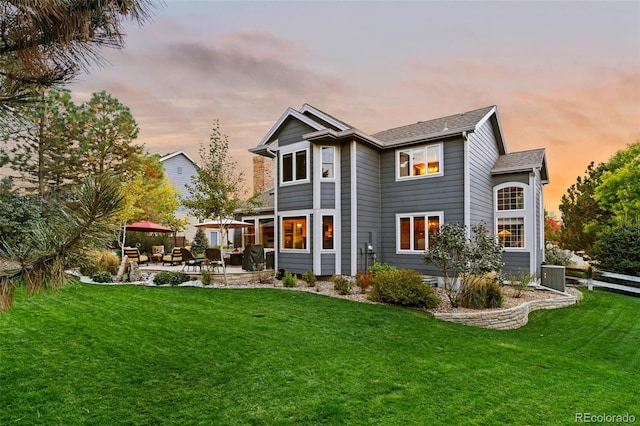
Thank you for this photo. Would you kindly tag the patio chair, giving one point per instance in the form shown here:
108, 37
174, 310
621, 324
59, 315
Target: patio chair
214, 256
134, 255
172, 258
189, 260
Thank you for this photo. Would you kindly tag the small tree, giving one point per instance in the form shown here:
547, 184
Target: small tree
460, 259
199, 242
217, 187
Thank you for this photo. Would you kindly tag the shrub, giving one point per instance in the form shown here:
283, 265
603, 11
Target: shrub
200, 242
617, 248
102, 277
171, 278
402, 287
363, 280
289, 279
342, 284
309, 277
265, 277
460, 258
520, 282
480, 293
205, 277
100, 260
557, 256
380, 267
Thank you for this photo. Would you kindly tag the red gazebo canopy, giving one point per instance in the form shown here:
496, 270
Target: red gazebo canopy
146, 226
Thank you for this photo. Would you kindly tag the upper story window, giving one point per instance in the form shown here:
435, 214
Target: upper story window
423, 161
510, 198
179, 170
294, 166
328, 162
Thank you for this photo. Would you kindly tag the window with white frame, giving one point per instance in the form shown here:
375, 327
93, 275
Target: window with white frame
423, 161
214, 238
294, 166
259, 231
510, 215
327, 232
294, 233
415, 231
328, 162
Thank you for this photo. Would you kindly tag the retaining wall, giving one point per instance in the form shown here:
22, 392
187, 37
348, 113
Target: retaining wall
506, 319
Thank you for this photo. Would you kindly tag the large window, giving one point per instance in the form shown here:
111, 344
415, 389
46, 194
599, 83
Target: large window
510, 210
419, 162
294, 233
416, 230
511, 232
328, 162
260, 231
294, 166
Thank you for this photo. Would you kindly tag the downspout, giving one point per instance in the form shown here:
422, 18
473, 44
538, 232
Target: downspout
276, 219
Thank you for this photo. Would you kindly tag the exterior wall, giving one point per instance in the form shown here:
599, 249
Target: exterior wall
345, 210
328, 264
482, 155
444, 193
522, 177
296, 197
540, 242
327, 195
369, 201
175, 164
516, 262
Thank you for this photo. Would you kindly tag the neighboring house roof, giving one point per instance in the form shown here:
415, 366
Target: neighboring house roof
266, 201
453, 124
522, 161
175, 154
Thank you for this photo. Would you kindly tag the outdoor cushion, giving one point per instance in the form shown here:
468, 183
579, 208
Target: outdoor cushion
174, 257
134, 255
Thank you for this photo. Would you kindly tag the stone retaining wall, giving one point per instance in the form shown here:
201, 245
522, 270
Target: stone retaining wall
506, 319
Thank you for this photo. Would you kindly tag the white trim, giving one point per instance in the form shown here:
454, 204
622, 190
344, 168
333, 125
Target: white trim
215, 231
256, 225
323, 116
175, 154
291, 149
276, 222
290, 112
524, 214
531, 214
291, 214
411, 216
354, 208
337, 225
467, 184
426, 147
317, 171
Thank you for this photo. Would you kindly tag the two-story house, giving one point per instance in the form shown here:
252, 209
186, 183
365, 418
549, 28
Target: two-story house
180, 168
343, 198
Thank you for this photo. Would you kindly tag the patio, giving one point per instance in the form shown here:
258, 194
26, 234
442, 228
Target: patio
235, 273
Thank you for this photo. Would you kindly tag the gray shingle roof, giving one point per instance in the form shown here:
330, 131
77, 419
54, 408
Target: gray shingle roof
451, 123
519, 161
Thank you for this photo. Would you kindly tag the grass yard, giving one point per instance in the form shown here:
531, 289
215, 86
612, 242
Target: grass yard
143, 355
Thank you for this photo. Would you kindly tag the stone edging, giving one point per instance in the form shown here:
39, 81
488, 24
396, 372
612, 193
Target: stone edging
506, 319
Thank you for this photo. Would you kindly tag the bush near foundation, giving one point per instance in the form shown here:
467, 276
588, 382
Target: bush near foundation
481, 293
402, 287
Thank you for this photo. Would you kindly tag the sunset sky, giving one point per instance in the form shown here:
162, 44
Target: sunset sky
564, 75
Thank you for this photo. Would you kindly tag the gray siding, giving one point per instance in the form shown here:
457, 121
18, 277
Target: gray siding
539, 224
171, 167
369, 200
516, 262
445, 193
522, 177
298, 263
291, 131
297, 196
345, 213
328, 264
483, 153
327, 195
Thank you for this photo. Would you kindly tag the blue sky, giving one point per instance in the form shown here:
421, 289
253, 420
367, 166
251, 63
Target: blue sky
565, 75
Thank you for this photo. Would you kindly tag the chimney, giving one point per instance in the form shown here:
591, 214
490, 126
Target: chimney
262, 173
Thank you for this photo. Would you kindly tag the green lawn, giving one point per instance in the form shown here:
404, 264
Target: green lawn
144, 355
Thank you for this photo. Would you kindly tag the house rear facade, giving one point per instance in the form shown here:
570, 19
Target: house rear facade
343, 198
